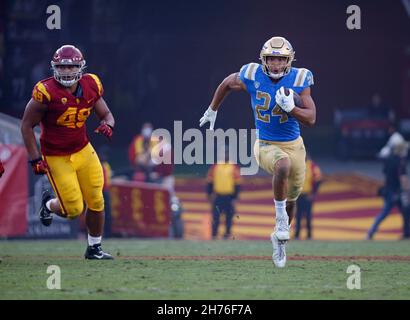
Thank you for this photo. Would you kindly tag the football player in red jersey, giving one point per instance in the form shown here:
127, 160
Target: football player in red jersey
61, 105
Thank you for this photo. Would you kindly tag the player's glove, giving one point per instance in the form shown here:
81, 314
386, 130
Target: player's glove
209, 115
1, 169
105, 129
39, 166
285, 102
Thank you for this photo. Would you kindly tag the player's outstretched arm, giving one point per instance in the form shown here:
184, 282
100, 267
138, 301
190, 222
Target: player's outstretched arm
32, 116
230, 83
305, 114
107, 121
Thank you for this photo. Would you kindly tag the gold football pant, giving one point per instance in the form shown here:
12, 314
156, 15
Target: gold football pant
77, 178
267, 153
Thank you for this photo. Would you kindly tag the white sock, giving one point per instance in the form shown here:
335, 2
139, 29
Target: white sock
280, 207
48, 204
94, 240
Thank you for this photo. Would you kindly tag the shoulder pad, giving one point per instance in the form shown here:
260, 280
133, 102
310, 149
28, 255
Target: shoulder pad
40, 93
97, 82
303, 78
249, 71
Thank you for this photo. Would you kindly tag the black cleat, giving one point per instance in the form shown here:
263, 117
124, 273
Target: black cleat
46, 216
95, 252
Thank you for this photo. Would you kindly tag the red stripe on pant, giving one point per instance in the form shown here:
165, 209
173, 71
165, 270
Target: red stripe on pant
50, 178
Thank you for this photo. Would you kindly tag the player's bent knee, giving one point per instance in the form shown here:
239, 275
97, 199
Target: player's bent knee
282, 167
283, 163
96, 205
74, 210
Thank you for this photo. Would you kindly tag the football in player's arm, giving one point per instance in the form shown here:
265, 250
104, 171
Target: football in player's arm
304, 113
274, 86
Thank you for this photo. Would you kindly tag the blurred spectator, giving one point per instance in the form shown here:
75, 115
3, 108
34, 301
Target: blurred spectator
139, 153
378, 110
396, 189
151, 158
162, 158
103, 155
305, 201
223, 186
395, 138
176, 228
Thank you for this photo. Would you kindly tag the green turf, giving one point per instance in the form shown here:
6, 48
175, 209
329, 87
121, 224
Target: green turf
24, 263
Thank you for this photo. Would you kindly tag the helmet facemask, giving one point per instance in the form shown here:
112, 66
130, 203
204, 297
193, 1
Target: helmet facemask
68, 79
285, 69
277, 47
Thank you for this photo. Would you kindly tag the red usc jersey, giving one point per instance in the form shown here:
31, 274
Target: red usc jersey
63, 128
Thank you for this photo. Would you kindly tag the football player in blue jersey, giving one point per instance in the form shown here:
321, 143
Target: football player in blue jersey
274, 86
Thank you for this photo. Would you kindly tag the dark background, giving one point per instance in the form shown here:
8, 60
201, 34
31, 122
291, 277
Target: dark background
161, 61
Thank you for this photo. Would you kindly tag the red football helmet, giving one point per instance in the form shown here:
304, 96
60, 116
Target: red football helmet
72, 57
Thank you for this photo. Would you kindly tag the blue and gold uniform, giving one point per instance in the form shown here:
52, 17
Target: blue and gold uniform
272, 123
278, 132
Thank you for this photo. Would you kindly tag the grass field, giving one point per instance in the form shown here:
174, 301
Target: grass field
168, 269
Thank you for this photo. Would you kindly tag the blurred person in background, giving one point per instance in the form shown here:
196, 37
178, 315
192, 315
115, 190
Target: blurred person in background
304, 204
139, 153
223, 186
396, 189
163, 161
395, 138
